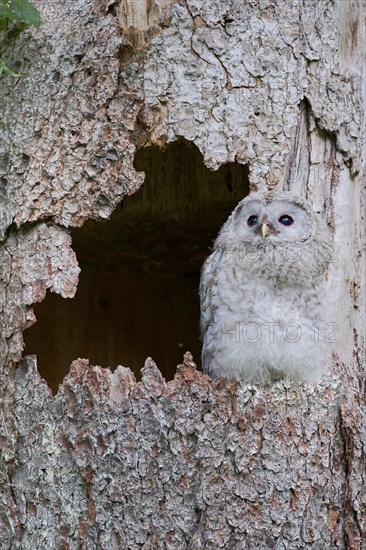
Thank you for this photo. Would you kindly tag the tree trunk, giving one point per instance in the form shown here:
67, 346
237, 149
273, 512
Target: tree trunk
110, 462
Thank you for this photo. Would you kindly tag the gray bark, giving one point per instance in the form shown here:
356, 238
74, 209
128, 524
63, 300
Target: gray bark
112, 463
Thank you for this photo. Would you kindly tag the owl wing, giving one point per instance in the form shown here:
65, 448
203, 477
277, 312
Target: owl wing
208, 286
208, 298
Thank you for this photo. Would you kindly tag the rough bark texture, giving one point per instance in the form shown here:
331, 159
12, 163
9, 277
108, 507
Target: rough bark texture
111, 463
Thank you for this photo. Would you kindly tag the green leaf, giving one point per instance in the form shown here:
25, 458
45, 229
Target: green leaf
26, 12
4, 68
5, 13
3, 23
12, 32
15, 16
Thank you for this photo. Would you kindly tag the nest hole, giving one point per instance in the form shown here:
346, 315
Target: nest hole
138, 289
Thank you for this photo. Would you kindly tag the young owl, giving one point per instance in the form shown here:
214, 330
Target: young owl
262, 292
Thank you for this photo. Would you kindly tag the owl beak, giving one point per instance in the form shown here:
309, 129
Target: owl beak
265, 229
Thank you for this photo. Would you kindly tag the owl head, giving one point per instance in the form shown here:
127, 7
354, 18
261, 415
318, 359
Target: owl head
273, 218
287, 234
269, 217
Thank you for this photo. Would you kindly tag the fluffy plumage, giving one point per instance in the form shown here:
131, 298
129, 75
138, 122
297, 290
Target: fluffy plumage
262, 290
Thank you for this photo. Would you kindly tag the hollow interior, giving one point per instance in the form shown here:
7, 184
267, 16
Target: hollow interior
138, 289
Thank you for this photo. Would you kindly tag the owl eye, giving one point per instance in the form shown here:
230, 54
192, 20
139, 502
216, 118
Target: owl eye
252, 220
286, 220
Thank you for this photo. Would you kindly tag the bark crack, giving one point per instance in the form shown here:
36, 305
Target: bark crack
352, 527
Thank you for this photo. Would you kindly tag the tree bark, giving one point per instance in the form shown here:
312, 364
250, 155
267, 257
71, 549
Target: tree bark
113, 463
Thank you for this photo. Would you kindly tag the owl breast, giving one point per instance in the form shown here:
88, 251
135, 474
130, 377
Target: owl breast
262, 310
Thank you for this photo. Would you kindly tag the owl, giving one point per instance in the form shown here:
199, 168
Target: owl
262, 292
